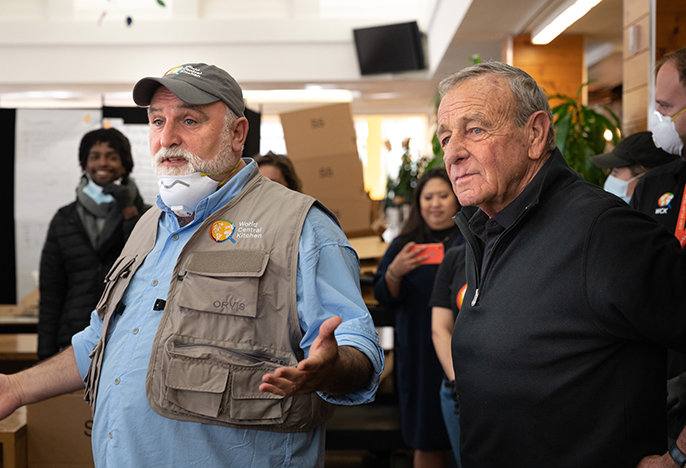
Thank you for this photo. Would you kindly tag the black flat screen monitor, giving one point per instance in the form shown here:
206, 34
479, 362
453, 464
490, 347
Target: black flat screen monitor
389, 49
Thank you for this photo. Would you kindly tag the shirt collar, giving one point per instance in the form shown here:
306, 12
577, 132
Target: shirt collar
478, 221
221, 197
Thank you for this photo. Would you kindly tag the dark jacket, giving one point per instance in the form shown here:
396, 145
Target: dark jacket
72, 274
559, 357
659, 192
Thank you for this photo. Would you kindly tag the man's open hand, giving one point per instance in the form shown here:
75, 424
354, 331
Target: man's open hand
312, 374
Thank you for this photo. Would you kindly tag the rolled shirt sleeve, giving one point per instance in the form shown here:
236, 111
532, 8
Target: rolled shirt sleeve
329, 285
84, 341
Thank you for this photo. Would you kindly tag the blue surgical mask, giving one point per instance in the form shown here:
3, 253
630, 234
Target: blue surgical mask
94, 192
619, 187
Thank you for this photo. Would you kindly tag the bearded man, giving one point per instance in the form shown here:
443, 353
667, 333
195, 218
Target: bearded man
232, 319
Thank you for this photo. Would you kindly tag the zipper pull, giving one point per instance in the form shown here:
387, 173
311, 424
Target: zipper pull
476, 296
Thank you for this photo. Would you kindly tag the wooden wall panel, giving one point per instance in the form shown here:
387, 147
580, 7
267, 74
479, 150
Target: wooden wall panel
634, 10
670, 24
635, 109
557, 67
642, 36
637, 67
636, 71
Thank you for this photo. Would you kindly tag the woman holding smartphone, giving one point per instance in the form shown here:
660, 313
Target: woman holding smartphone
403, 283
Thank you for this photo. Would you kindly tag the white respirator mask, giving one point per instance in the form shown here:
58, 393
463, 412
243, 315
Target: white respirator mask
183, 193
664, 131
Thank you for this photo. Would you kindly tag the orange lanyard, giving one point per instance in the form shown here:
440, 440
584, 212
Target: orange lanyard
680, 231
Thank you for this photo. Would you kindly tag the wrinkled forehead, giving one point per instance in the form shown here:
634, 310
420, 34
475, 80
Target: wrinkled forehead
481, 97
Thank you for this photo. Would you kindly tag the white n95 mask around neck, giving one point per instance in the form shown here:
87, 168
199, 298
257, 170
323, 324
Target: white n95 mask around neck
183, 193
665, 135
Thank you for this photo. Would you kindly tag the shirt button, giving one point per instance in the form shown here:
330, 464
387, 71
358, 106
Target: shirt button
154, 282
135, 331
110, 434
116, 381
175, 237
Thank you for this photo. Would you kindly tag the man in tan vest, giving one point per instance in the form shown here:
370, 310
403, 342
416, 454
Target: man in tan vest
232, 319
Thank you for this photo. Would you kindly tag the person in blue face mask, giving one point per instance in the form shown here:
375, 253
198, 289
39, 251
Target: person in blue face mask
628, 161
85, 237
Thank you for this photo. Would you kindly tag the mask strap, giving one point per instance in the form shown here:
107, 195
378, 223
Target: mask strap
227, 177
678, 114
635, 177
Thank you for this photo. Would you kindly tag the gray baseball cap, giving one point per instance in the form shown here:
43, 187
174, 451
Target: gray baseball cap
194, 83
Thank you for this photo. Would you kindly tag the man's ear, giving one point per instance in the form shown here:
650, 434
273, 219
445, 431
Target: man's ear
539, 126
239, 132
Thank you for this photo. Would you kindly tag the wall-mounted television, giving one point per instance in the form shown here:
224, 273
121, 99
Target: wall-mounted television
392, 48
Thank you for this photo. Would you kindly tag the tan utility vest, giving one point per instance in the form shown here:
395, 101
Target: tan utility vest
230, 315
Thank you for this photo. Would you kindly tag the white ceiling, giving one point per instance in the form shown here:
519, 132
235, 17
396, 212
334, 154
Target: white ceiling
85, 50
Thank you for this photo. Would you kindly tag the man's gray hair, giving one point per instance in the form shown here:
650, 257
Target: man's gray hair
528, 96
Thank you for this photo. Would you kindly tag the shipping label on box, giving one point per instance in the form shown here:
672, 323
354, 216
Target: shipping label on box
59, 433
340, 173
319, 131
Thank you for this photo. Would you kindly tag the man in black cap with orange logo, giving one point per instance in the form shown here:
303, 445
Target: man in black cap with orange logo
628, 161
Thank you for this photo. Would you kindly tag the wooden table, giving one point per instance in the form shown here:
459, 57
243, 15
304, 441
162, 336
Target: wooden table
17, 351
19, 324
13, 439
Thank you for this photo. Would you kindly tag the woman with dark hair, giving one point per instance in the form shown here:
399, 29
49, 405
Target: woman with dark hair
279, 168
403, 285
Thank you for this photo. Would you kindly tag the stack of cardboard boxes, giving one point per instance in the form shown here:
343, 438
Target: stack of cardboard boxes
322, 144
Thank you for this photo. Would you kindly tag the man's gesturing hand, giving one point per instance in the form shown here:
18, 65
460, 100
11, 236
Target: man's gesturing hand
316, 373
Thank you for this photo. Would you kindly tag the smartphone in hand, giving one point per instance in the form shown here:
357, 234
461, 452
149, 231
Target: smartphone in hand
434, 251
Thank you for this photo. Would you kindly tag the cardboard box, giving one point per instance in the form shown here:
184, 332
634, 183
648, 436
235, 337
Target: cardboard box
340, 173
322, 144
59, 433
353, 212
319, 131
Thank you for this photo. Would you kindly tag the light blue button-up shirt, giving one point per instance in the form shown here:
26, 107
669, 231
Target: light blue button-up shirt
126, 430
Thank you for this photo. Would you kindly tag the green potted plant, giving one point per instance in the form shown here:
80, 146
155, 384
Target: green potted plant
580, 133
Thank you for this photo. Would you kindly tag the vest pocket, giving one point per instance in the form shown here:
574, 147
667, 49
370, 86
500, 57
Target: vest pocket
120, 269
197, 386
221, 382
223, 282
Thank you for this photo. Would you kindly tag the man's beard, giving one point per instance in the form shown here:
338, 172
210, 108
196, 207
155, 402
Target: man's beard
224, 161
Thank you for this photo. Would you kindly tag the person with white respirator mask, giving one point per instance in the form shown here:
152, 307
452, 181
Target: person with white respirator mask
660, 194
232, 322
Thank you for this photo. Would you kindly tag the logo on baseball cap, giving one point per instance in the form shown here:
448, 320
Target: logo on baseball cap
194, 83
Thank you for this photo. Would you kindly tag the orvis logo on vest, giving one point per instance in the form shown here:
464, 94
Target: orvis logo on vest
664, 203
229, 304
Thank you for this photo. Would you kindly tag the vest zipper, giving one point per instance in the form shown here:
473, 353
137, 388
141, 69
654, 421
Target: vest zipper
253, 356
